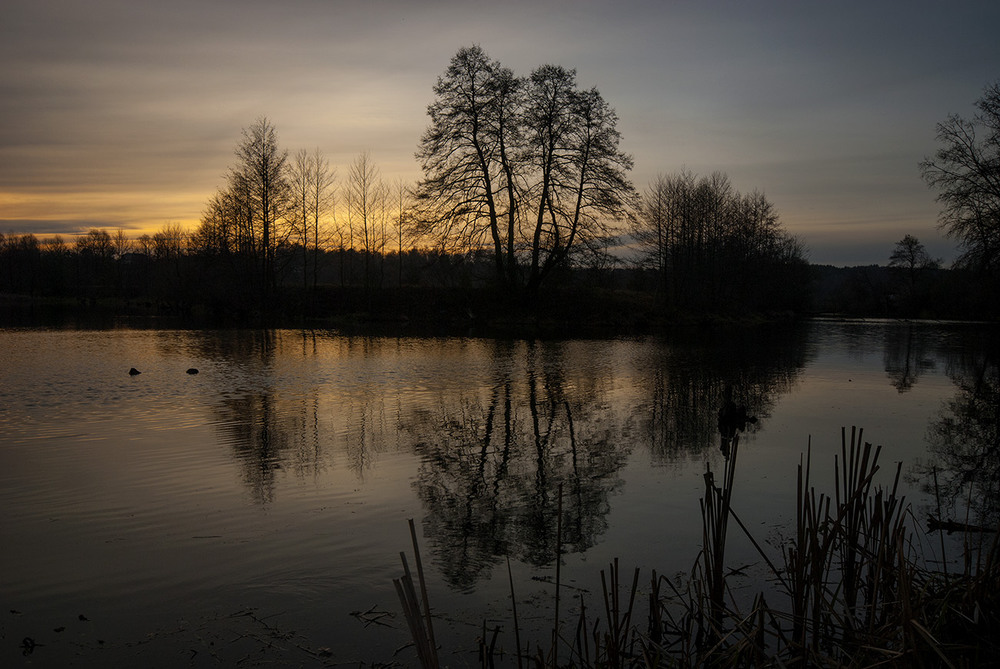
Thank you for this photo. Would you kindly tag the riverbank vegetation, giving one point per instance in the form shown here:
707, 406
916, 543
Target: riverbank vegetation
854, 583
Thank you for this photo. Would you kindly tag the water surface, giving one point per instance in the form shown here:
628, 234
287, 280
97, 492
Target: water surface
255, 511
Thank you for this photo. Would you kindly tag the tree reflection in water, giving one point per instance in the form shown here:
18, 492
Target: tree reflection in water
276, 419
964, 439
688, 379
907, 355
492, 464
497, 443
249, 420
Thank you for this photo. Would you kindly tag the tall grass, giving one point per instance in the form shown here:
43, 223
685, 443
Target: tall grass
851, 588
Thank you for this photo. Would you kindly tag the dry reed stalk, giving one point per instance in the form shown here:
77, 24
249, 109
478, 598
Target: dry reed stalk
715, 516
856, 594
555, 625
418, 620
582, 645
619, 620
423, 587
487, 650
937, 499
655, 623
513, 606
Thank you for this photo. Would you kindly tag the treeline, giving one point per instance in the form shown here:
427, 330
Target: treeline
912, 285
878, 291
176, 271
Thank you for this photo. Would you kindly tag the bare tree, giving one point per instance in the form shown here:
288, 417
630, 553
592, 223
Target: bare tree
580, 175
311, 182
169, 242
260, 182
910, 255
323, 200
97, 243
20, 263
216, 233
966, 173
469, 192
249, 219
122, 244
365, 199
144, 244
300, 178
530, 167
910, 259
715, 248
402, 198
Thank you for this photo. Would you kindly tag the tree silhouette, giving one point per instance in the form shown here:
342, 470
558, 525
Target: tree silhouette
529, 168
965, 171
492, 466
714, 248
312, 184
247, 221
911, 262
365, 199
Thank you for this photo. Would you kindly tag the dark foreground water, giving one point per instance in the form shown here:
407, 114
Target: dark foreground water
254, 512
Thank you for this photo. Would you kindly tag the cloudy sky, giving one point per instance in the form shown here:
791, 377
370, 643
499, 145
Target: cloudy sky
124, 113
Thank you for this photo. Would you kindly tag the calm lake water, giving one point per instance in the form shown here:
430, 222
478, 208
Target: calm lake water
255, 511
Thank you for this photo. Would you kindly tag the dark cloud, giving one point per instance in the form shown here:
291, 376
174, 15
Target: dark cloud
66, 229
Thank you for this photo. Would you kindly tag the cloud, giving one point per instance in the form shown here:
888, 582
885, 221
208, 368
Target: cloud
48, 228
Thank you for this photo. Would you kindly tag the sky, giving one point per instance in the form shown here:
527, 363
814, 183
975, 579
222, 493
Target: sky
125, 113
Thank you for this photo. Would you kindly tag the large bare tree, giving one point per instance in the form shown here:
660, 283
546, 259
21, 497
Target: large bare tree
579, 180
529, 168
467, 195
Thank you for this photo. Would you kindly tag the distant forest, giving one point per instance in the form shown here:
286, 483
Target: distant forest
167, 274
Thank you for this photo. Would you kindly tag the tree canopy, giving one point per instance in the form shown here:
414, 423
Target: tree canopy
527, 167
910, 255
715, 249
965, 171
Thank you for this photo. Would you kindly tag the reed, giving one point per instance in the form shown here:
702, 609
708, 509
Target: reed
418, 618
851, 589
618, 639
